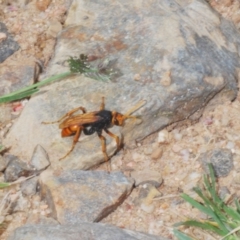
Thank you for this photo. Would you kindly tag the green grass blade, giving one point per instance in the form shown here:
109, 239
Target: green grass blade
17, 96
194, 203
216, 209
180, 235
237, 206
204, 225
211, 191
4, 185
232, 213
28, 91
207, 210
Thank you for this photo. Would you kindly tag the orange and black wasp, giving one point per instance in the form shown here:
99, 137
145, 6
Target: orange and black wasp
93, 122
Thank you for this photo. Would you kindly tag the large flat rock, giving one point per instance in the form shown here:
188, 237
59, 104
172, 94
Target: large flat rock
83, 231
176, 56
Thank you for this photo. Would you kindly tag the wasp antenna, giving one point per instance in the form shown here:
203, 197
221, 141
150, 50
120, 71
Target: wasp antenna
135, 108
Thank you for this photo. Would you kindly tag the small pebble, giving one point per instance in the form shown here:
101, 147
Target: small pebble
42, 5
54, 28
163, 136
230, 145
147, 208
157, 153
221, 160
137, 77
44, 207
225, 120
166, 79
3, 36
29, 187
177, 136
39, 159
131, 164
185, 154
137, 157
147, 150
176, 148
194, 175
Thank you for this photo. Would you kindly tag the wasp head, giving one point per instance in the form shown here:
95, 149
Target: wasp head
118, 119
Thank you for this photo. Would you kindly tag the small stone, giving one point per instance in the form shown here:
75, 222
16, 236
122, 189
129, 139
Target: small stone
137, 157
40, 159
163, 136
166, 79
16, 169
54, 28
176, 148
177, 135
185, 154
230, 145
29, 187
147, 150
42, 5
146, 195
44, 207
3, 36
221, 160
137, 77
147, 208
147, 176
22, 204
157, 153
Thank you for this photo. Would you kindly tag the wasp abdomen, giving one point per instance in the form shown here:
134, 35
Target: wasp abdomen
69, 131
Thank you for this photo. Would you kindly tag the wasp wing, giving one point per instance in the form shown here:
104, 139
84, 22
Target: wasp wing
80, 119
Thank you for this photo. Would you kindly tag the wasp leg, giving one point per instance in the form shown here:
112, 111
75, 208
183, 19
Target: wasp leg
69, 114
102, 107
103, 141
115, 137
75, 140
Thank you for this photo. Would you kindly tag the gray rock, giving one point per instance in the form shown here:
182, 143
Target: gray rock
29, 187
184, 55
83, 231
16, 169
40, 159
7, 46
22, 76
221, 160
76, 196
